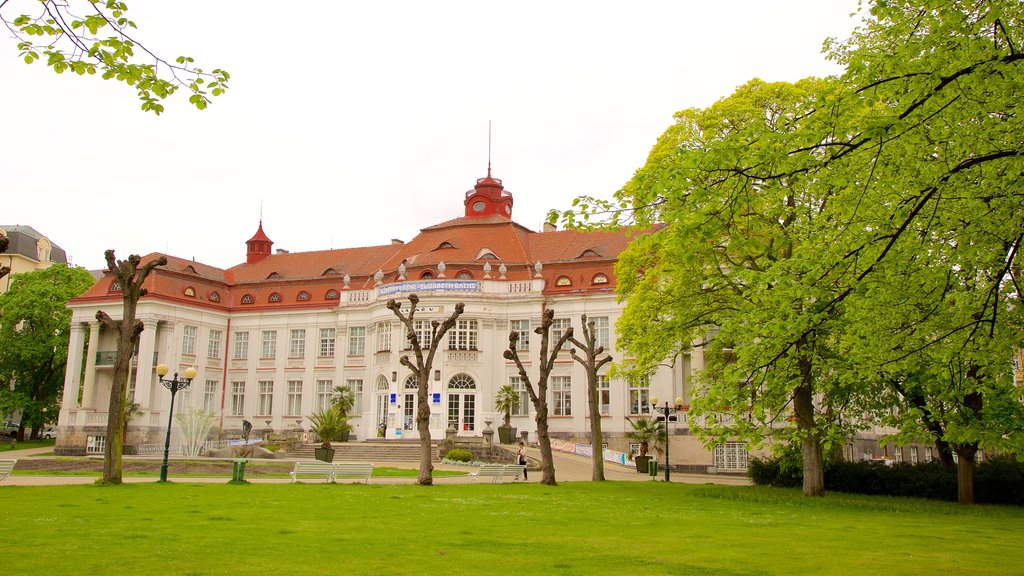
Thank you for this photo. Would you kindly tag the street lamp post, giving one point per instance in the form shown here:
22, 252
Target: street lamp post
666, 411
173, 384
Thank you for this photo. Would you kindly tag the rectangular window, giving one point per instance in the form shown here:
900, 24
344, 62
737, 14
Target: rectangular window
731, 456
294, 405
561, 395
213, 348
188, 339
383, 336
356, 340
604, 395
327, 342
241, 350
522, 327
913, 455
237, 398
600, 331
183, 401
210, 397
324, 391
269, 344
558, 328
639, 396
356, 385
297, 344
524, 397
463, 336
424, 334
265, 398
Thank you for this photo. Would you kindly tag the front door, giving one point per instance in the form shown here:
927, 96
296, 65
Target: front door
462, 411
381, 415
409, 414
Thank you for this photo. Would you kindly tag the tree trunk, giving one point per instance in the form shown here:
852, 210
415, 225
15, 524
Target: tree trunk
547, 467
813, 462
965, 472
426, 477
597, 458
115, 415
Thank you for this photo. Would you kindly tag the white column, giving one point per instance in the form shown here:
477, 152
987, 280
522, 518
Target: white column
144, 367
89, 386
73, 369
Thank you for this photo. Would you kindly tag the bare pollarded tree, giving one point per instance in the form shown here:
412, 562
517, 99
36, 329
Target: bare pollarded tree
129, 276
422, 367
591, 363
539, 395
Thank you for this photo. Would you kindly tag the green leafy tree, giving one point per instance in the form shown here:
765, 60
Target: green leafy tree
421, 366
4, 242
86, 37
34, 335
592, 361
130, 276
539, 394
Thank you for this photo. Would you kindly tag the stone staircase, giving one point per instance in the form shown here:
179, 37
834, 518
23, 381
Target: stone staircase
370, 451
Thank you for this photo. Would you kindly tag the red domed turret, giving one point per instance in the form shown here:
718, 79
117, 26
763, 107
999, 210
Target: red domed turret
258, 247
488, 197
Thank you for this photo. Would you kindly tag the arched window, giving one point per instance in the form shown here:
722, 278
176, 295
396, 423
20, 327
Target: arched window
332, 294
411, 382
464, 275
589, 254
189, 292
303, 296
382, 383
444, 245
190, 269
330, 272
462, 382
427, 275
273, 275
274, 297
248, 299
563, 281
214, 296
599, 278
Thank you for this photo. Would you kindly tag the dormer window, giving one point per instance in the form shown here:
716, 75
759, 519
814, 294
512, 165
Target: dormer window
190, 269
563, 281
444, 244
486, 255
599, 278
115, 286
589, 254
330, 272
273, 275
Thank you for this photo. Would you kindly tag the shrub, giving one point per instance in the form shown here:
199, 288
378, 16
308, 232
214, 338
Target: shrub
459, 455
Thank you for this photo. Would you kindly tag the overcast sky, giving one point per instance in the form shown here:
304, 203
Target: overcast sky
352, 123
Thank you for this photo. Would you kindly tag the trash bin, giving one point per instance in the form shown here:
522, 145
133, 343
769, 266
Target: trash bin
238, 470
652, 467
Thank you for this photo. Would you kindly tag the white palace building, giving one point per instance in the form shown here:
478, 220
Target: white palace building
272, 337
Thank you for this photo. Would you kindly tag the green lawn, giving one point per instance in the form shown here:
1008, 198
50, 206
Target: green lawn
5, 444
575, 528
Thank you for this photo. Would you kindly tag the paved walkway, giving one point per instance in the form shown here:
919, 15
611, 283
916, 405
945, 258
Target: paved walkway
568, 468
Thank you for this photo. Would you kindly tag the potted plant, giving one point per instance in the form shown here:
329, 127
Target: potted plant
343, 401
327, 424
645, 431
506, 400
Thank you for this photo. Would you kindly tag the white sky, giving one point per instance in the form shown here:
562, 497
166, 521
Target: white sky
357, 122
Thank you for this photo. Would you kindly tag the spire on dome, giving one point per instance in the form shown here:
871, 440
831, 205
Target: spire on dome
258, 247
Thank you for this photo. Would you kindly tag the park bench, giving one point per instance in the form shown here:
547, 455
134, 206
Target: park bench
362, 470
5, 468
514, 471
325, 469
492, 471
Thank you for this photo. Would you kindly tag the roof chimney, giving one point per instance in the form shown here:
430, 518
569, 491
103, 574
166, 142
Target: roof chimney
396, 242
549, 227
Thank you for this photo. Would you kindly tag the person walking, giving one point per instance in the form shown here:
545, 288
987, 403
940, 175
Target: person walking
521, 459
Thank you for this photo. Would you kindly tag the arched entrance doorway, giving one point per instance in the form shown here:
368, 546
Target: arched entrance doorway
462, 402
382, 391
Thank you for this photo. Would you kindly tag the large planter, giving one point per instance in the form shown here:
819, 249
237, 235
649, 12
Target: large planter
343, 437
506, 434
324, 454
642, 462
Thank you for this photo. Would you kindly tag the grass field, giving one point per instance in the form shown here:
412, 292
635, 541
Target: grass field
6, 445
575, 528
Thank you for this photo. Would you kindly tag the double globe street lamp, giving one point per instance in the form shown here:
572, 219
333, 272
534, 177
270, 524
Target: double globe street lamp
173, 384
666, 412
